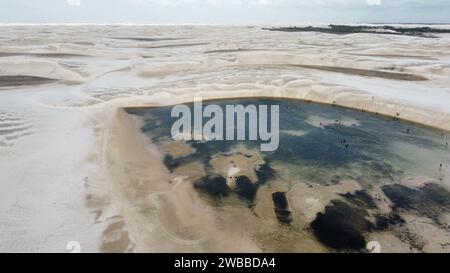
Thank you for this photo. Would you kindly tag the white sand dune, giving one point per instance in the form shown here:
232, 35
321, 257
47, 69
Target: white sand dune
38, 68
70, 171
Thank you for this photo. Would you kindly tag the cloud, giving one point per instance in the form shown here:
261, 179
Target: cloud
373, 2
246, 2
73, 2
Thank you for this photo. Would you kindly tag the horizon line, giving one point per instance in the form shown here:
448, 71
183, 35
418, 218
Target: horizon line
211, 24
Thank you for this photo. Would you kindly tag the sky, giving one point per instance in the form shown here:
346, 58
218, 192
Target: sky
224, 11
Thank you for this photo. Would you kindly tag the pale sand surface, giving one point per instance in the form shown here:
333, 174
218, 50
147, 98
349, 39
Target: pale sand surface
161, 212
178, 149
232, 166
74, 166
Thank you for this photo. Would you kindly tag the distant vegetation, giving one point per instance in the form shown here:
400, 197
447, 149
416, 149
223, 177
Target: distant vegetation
346, 29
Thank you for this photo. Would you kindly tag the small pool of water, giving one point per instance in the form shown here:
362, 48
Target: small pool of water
324, 145
399, 169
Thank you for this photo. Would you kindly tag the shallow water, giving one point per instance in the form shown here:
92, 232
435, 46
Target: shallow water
323, 151
380, 149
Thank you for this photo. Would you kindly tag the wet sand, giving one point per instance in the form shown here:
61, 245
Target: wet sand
175, 45
178, 149
367, 73
11, 81
42, 55
161, 209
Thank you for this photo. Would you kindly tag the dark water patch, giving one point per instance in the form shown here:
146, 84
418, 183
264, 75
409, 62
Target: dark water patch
360, 199
11, 81
212, 148
281, 207
139, 111
279, 200
342, 226
430, 201
214, 185
265, 173
170, 162
395, 56
175, 45
366, 72
245, 188
388, 222
396, 225
84, 43
283, 216
235, 50
147, 39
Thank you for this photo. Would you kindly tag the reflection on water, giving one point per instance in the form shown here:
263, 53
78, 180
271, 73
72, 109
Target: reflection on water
328, 144
321, 146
